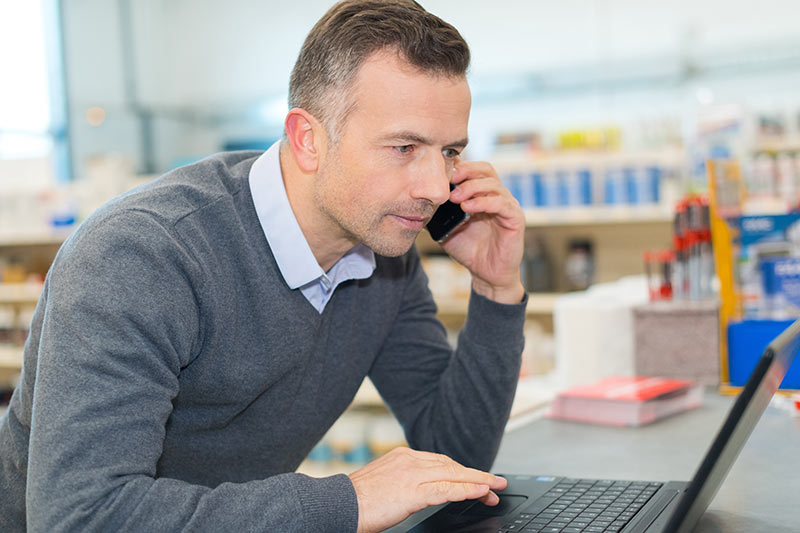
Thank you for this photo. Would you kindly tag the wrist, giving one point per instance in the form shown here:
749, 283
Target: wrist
512, 293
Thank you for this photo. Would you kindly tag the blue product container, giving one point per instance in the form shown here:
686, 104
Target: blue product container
562, 189
515, 187
321, 453
584, 186
780, 285
747, 341
612, 187
359, 454
539, 194
550, 188
631, 190
654, 176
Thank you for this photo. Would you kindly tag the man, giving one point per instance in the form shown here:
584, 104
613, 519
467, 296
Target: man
196, 337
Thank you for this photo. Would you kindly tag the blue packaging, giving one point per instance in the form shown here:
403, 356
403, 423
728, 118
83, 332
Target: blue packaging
747, 341
763, 238
539, 194
631, 186
780, 279
613, 193
515, 186
767, 228
654, 176
582, 187
562, 189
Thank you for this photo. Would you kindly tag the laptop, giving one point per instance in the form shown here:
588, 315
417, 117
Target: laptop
568, 505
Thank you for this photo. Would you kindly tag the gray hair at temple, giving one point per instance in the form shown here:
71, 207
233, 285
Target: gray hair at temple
349, 33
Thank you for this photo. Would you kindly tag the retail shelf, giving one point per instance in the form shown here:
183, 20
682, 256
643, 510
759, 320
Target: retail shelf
33, 238
594, 215
10, 357
367, 395
20, 293
541, 303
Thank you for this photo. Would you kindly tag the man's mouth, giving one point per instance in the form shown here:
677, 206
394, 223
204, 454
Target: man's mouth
412, 222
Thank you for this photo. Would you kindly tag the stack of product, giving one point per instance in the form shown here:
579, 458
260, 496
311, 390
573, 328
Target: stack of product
577, 183
769, 266
686, 271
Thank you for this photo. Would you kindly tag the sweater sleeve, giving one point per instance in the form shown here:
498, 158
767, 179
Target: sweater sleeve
455, 403
121, 316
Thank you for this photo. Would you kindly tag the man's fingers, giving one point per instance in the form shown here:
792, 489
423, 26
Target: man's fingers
451, 471
491, 499
507, 212
442, 468
437, 492
466, 170
477, 187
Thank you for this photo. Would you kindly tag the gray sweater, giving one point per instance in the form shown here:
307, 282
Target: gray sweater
173, 382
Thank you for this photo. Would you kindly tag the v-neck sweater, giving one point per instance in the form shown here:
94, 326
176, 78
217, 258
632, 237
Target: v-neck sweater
172, 381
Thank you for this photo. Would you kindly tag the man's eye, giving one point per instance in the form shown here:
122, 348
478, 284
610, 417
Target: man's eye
450, 153
405, 149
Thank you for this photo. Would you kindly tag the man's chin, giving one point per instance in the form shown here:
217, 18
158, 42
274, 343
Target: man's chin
392, 247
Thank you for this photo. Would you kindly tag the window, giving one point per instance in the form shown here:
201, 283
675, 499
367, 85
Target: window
32, 119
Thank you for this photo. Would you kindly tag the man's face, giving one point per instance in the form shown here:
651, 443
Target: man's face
391, 166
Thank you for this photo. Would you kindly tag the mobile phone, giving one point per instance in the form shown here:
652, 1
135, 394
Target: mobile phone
446, 218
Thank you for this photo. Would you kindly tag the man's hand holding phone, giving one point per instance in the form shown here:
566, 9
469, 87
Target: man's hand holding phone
491, 242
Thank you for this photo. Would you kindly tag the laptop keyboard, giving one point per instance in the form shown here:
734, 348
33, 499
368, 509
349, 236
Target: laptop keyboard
591, 505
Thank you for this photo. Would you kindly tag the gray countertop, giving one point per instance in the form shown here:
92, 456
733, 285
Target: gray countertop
760, 494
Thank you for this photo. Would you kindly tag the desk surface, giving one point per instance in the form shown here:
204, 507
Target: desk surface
761, 492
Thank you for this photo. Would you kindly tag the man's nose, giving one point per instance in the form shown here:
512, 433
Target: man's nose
433, 181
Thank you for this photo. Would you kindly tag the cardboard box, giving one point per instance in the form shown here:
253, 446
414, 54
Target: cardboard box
678, 340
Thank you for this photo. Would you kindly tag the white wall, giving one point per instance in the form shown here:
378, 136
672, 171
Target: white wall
229, 56
245, 49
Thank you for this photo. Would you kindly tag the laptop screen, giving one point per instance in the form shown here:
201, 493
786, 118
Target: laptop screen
745, 413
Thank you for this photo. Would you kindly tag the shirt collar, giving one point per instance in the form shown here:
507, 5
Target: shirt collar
295, 259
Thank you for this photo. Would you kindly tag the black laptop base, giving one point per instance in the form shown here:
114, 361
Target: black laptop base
547, 504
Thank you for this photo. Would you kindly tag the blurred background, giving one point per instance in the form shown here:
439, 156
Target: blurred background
600, 116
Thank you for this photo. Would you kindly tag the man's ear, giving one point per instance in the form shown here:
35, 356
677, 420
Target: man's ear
306, 138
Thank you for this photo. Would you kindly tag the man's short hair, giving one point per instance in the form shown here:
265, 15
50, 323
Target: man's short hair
349, 33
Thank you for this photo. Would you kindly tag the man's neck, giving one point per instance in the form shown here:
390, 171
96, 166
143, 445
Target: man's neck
325, 239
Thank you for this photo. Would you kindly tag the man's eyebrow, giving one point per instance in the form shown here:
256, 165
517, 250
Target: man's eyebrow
416, 138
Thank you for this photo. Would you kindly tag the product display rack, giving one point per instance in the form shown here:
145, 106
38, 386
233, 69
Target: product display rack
741, 339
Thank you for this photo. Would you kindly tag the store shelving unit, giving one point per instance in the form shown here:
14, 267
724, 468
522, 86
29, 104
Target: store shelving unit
20, 293
10, 239
594, 215
16, 296
10, 358
35, 250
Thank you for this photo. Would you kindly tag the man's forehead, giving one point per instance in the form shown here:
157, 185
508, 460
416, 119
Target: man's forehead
398, 102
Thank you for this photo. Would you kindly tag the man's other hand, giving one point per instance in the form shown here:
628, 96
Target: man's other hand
490, 244
404, 481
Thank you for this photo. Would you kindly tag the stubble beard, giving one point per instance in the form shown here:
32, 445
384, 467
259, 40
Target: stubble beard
356, 223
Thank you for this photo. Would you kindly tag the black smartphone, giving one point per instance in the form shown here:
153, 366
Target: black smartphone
446, 218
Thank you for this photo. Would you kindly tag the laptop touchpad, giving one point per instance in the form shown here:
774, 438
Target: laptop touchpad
507, 504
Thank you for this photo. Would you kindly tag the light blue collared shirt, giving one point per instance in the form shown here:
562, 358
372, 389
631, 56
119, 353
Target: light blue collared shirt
295, 259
